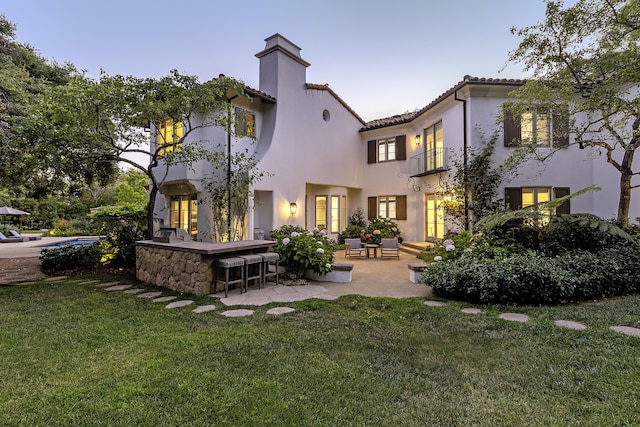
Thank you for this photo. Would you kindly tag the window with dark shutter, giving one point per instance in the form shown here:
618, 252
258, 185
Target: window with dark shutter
564, 208
401, 147
512, 130
372, 205
560, 123
372, 147
513, 198
401, 207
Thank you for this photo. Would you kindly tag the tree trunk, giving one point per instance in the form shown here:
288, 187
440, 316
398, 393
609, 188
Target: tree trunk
152, 203
626, 173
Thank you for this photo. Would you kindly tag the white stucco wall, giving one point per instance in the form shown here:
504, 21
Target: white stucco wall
304, 148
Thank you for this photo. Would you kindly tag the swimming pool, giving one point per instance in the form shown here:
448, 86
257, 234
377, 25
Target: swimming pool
73, 242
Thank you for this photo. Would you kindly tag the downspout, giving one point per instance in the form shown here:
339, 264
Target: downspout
464, 158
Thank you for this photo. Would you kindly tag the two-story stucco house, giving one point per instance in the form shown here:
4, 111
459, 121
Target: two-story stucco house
322, 157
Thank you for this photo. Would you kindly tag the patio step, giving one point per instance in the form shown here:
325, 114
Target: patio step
14, 270
414, 248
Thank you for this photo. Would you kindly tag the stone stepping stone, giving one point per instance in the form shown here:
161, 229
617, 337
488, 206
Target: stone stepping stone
55, 278
150, 295
277, 311
471, 310
180, 303
118, 288
570, 325
326, 297
237, 313
435, 303
134, 291
627, 330
106, 284
88, 282
165, 299
514, 317
204, 308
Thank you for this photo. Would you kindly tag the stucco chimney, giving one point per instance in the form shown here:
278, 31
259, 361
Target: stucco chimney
281, 66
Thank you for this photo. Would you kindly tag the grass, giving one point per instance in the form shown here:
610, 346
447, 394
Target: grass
74, 354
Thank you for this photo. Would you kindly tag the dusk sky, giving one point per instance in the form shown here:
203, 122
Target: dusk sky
382, 57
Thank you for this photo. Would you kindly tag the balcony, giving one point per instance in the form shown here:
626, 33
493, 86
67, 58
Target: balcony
429, 162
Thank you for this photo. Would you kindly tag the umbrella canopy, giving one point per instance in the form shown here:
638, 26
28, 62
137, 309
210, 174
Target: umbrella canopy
6, 210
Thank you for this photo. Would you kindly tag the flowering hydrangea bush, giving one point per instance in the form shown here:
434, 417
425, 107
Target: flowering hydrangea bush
379, 229
453, 246
300, 250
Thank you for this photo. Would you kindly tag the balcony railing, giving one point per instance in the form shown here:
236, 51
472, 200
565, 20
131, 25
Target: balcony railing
428, 162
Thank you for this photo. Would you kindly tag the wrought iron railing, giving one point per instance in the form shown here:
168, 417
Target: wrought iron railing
429, 161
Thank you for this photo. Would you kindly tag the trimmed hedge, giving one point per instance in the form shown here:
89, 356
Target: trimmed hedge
69, 258
532, 278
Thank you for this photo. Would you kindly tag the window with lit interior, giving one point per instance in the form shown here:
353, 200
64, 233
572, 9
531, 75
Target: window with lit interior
169, 136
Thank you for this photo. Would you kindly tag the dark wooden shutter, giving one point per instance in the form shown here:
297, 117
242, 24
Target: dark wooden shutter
513, 198
401, 207
560, 123
565, 208
401, 147
372, 212
372, 151
512, 130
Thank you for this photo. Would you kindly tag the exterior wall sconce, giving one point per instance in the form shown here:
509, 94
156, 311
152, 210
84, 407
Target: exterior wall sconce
293, 208
448, 197
418, 140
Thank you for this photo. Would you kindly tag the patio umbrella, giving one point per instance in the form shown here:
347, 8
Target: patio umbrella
6, 210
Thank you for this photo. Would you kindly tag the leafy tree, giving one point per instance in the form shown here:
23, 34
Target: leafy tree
24, 79
104, 122
131, 189
470, 191
584, 61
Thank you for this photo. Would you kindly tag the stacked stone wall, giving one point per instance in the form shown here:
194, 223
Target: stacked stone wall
177, 270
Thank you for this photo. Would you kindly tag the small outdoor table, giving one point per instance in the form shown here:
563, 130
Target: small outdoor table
373, 246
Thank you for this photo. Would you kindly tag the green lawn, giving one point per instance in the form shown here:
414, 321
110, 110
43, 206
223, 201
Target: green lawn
74, 354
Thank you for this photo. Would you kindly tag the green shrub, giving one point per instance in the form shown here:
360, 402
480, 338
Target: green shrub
300, 250
122, 227
351, 232
73, 227
454, 246
380, 228
69, 258
532, 278
517, 233
562, 235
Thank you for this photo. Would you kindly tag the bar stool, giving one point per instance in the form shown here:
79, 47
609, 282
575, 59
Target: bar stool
252, 273
228, 264
270, 258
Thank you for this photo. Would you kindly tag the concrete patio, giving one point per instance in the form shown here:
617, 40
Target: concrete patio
373, 277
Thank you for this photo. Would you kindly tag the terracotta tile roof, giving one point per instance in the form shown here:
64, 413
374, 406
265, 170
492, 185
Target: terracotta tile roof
410, 116
264, 97
326, 87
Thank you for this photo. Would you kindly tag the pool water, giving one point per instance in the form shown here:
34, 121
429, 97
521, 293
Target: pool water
74, 242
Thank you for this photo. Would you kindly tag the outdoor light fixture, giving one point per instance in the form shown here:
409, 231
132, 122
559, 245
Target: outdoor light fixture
293, 207
448, 197
418, 139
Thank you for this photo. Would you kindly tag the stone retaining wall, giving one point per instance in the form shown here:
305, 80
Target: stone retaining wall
181, 271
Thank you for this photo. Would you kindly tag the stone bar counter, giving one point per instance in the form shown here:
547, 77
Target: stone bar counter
188, 266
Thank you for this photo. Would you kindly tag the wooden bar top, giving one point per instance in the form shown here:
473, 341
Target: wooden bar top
207, 248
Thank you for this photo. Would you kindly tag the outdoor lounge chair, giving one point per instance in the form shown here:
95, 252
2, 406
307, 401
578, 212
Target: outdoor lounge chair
354, 248
389, 248
14, 233
5, 239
